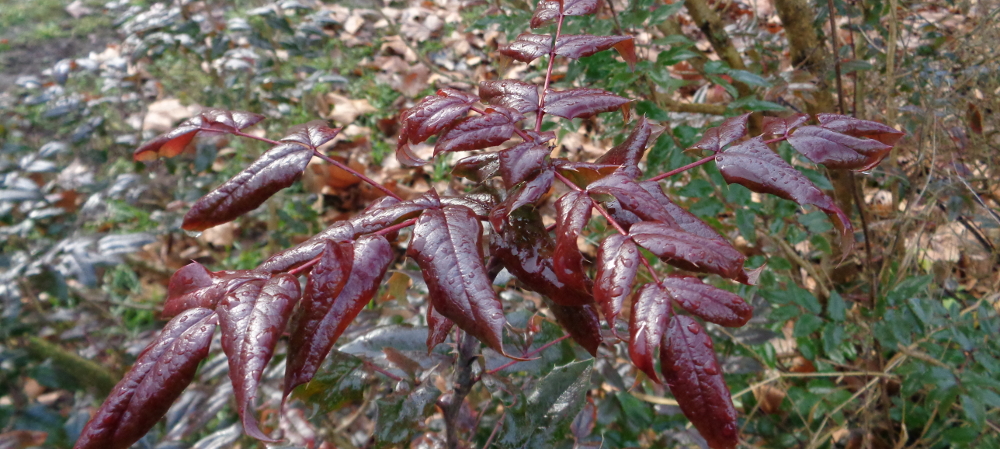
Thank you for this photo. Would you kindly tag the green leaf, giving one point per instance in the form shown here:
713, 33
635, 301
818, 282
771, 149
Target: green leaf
338, 382
975, 411
559, 396
399, 416
815, 222
744, 221
674, 56
663, 12
746, 77
836, 308
855, 66
754, 104
697, 188
908, 288
833, 336
806, 325
652, 112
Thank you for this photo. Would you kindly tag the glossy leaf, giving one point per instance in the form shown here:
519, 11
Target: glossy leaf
684, 219
629, 153
532, 190
400, 415
311, 134
527, 46
581, 322
581, 102
860, 128
234, 314
173, 142
513, 94
731, 130
376, 219
709, 303
688, 251
689, 366
159, 376
617, 266
438, 327
195, 286
782, 126
309, 249
276, 169
433, 114
836, 150
519, 162
447, 245
753, 165
651, 311
573, 211
632, 197
480, 131
548, 10
407, 157
478, 167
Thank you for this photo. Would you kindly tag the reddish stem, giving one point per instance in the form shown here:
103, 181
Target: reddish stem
248, 136
548, 71
299, 269
779, 139
396, 227
354, 172
682, 169
526, 355
383, 372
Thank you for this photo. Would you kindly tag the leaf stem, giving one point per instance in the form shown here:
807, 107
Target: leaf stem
381, 371
396, 227
354, 172
548, 71
299, 269
683, 169
527, 355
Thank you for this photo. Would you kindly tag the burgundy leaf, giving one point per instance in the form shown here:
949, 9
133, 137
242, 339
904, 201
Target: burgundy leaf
406, 156
632, 197
532, 190
481, 131
266, 324
308, 250
276, 169
629, 153
709, 303
548, 10
478, 167
159, 376
433, 114
519, 162
311, 134
860, 128
584, 173
617, 266
576, 46
688, 363
479, 207
234, 314
573, 211
582, 323
581, 102
836, 150
651, 311
731, 130
688, 251
438, 327
194, 286
447, 245
782, 126
514, 94
173, 142
373, 220
753, 165
527, 47
684, 219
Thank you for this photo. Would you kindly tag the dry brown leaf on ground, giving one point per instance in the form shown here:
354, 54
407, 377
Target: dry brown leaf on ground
345, 110
162, 115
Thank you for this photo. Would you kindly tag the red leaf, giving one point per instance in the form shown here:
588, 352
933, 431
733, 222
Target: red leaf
194, 286
308, 250
158, 377
582, 323
532, 190
753, 165
447, 245
688, 363
860, 128
688, 251
731, 130
481, 131
519, 162
709, 303
548, 10
478, 167
514, 94
629, 153
438, 327
684, 219
527, 47
311, 134
433, 114
632, 197
576, 46
836, 150
276, 169
376, 219
584, 173
573, 211
782, 126
407, 157
581, 102
617, 266
651, 310
172, 143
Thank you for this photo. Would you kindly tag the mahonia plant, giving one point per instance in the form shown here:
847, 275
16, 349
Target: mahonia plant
345, 264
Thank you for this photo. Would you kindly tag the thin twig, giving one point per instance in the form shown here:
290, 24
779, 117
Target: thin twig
354, 172
548, 72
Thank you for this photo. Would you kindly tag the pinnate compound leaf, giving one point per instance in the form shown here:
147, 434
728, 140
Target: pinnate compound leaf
628, 153
513, 94
548, 10
519, 162
836, 150
157, 378
689, 366
311, 134
173, 142
651, 311
438, 327
478, 167
274, 170
688, 251
709, 303
731, 130
781, 126
617, 266
481, 131
860, 128
581, 102
753, 165
447, 245
573, 211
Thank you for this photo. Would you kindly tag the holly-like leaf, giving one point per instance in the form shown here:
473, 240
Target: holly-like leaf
276, 169
159, 376
709, 303
632, 197
481, 131
433, 114
651, 311
731, 130
478, 167
781, 126
573, 211
548, 10
753, 165
195, 286
836, 150
689, 366
438, 327
447, 245
582, 323
629, 153
688, 251
581, 102
173, 142
860, 128
521, 161
513, 94
617, 266
310, 249
311, 134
